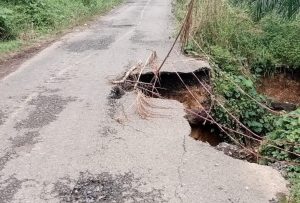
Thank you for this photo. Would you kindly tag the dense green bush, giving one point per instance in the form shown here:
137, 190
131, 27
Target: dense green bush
5, 30
19, 18
232, 34
246, 110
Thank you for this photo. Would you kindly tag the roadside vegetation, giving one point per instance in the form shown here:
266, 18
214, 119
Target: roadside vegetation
23, 21
245, 40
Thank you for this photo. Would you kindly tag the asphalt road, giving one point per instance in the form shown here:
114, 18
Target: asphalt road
64, 139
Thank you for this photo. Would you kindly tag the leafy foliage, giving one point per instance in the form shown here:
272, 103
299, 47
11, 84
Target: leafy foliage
285, 136
5, 31
240, 105
241, 49
21, 18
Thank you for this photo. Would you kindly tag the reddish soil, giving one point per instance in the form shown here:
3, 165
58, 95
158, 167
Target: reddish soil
198, 100
281, 88
203, 133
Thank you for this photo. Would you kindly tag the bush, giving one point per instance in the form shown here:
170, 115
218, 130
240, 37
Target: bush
5, 31
38, 13
286, 137
43, 16
282, 40
224, 30
246, 110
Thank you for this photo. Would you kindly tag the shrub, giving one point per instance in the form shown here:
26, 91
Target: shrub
285, 136
5, 31
246, 110
28, 19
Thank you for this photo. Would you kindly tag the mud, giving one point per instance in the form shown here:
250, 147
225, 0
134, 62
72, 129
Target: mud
105, 187
46, 109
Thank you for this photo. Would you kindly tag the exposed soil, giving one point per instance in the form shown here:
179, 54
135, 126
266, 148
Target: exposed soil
196, 106
197, 102
203, 133
11, 62
282, 88
194, 98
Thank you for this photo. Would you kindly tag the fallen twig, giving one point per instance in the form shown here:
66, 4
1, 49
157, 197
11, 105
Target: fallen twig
128, 73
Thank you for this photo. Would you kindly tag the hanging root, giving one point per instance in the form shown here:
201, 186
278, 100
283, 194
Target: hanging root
131, 80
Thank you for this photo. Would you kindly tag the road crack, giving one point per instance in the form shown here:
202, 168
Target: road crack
179, 189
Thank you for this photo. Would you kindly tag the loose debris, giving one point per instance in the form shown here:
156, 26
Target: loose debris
105, 187
236, 152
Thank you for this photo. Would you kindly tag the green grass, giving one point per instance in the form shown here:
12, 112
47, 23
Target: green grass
25, 21
9, 46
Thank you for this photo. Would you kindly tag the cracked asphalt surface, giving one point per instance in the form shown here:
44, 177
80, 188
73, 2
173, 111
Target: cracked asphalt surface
65, 139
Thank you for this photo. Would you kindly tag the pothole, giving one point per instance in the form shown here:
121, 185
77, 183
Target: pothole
185, 88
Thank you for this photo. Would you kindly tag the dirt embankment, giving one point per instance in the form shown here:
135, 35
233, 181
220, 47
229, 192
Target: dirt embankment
284, 87
191, 89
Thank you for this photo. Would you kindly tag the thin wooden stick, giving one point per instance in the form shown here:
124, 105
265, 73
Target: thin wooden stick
133, 68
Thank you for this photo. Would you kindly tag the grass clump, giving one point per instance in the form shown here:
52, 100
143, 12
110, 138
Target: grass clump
26, 20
